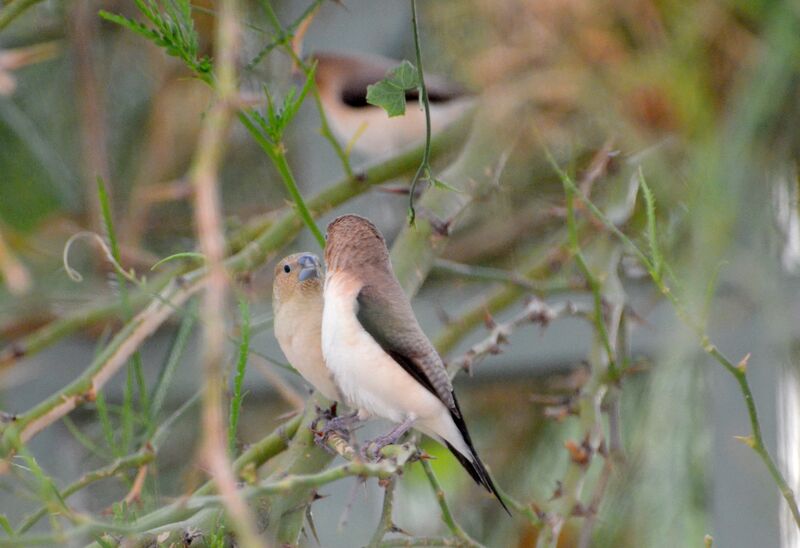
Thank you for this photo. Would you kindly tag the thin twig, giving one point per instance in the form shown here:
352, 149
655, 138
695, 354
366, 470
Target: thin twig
284, 389
424, 166
447, 515
14, 9
208, 219
535, 311
425, 541
90, 98
488, 274
385, 524
755, 441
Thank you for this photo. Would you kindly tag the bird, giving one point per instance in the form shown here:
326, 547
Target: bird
380, 359
297, 311
342, 80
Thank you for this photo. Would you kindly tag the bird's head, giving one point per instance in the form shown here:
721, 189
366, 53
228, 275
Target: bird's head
297, 275
354, 244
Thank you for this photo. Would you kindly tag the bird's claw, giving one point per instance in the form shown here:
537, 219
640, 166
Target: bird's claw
340, 426
371, 450
374, 447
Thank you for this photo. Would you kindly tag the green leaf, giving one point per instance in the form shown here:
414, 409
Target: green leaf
438, 183
390, 93
405, 75
172, 29
388, 97
652, 235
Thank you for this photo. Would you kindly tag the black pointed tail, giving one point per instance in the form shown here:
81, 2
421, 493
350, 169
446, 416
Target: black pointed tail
475, 467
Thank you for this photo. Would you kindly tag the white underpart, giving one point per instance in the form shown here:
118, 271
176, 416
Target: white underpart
789, 449
368, 378
377, 135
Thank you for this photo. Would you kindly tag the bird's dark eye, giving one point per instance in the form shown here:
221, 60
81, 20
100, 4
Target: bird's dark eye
287, 268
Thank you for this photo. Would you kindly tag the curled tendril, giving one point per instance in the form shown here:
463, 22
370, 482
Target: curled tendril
76, 276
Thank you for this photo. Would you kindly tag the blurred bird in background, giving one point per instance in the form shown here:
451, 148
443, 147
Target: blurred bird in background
342, 80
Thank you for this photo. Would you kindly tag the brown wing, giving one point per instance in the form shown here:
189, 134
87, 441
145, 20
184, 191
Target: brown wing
387, 316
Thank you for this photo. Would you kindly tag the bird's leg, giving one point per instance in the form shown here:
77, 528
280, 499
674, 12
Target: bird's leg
341, 425
372, 448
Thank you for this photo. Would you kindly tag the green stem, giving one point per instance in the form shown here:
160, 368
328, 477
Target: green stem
424, 166
136, 460
447, 515
591, 279
277, 153
241, 364
89, 315
489, 274
13, 9
385, 523
739, 374
424, 541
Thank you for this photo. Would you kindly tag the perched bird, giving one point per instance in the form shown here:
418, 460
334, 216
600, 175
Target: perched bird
297, 308
382, 362
342, 80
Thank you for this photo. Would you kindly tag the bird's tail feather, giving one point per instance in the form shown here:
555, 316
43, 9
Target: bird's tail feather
474, 465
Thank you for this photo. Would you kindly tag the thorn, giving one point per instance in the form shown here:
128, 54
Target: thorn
580, 510
190, 535
742, 365
559, 490
401, 191
17, 351
488, 319
395, 529
315, 496
467, 366
578, 453
442, 315
440, 227
502, 338
557, 412
749, 441
708, 541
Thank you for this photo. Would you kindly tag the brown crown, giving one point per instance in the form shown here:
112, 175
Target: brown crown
354, 242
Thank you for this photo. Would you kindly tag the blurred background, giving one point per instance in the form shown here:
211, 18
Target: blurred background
701, 96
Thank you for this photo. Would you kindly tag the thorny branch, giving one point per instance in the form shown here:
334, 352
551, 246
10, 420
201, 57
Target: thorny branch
208, 220
534, 311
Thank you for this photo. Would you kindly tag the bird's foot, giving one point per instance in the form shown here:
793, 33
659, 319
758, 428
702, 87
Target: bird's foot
340, 426
371, 450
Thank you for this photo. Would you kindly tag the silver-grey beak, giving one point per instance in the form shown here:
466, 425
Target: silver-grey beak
309, 267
